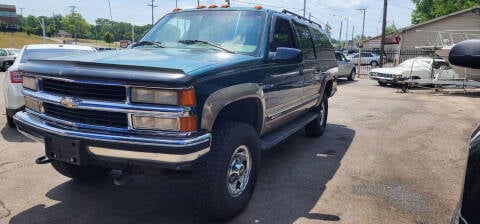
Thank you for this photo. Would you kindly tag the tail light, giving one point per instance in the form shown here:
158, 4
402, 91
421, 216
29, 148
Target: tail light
15, 77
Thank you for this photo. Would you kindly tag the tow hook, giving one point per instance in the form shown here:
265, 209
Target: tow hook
43, 160
124, 178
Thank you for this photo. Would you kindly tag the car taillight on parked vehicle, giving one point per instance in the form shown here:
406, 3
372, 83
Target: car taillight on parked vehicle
15, 77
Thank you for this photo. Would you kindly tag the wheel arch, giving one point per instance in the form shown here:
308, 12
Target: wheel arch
224, 104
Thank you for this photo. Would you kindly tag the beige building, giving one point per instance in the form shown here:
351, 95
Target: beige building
436, 33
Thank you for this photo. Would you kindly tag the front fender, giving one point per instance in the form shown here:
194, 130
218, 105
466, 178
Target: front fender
223, 97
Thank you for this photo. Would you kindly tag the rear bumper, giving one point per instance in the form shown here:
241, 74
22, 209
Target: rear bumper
146, 150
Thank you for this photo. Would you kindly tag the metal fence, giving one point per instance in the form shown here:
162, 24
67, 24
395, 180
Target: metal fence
393, 57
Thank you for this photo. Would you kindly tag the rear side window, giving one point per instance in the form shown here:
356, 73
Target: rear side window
305, 41
282, 34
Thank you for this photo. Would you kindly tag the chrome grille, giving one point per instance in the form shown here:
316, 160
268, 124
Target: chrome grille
384, 75
85, 90
93, 117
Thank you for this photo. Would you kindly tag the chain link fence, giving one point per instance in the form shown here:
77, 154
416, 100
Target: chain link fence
392, 57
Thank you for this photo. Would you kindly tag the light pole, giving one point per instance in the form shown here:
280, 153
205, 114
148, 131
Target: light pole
42, 24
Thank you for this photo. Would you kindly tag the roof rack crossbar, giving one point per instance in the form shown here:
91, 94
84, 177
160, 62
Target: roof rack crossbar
300, 17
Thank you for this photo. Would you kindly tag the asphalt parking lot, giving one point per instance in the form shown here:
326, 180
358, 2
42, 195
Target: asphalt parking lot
386, 157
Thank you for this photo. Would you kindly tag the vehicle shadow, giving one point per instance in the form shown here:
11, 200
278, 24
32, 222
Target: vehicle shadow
12, 135
341, 82
293, 177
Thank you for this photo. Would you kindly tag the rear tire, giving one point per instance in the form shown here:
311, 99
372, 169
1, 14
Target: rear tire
89, 172
352, 75
382, 83
222, 191
316, 127
374, 63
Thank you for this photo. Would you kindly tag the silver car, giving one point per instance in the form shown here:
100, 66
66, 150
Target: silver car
7, 56
345, 67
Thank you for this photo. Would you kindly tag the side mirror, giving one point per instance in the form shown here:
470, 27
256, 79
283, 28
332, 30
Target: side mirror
287, 55
466, 54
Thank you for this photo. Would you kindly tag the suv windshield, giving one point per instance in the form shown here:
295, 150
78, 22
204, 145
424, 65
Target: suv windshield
235, 31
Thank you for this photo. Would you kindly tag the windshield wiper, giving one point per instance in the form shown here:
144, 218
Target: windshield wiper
147, 42
205, 42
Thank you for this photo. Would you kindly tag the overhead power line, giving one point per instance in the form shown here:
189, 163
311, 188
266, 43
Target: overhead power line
153, 7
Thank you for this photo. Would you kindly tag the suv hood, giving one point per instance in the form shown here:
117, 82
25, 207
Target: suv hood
147, 67
187, 60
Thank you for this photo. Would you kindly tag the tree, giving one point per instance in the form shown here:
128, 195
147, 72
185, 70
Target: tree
108, 37
391, 28
127, 36
75, 21
430, 9
50, 30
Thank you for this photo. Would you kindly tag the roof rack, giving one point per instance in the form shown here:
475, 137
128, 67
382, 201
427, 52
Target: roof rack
300, 17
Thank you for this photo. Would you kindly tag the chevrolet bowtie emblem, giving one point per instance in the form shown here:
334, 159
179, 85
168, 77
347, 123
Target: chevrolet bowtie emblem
69, 102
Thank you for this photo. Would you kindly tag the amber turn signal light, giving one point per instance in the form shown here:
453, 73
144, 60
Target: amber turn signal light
176, 9
212, 6
186, 97
201, 6
188, 124
258, 7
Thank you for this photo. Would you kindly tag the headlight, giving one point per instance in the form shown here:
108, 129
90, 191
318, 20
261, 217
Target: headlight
30, 83
397, 76
33, 104
156, 123
184, 97
183, 124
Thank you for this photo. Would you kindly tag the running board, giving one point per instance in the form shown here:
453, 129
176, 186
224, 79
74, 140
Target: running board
270, 140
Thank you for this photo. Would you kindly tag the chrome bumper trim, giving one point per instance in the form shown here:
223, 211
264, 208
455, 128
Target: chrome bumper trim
26, 119
147, 156
34, 138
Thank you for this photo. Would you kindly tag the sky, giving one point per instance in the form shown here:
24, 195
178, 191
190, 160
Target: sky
322, 11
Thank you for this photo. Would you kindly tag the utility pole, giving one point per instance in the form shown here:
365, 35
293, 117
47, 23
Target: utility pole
340, 35
359, 62
353, 31
74, 23
384, 24
153, 7
310, 16
133, 33
21, 11
346, 34
304, 7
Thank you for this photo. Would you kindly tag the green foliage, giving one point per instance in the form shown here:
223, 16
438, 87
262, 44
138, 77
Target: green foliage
429, 9
391, 28
108, 37
75, 21
127, 36
51, 30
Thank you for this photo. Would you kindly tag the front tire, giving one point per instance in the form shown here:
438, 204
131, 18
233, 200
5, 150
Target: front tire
10, 122
374, 63
381, 83
225, 179
89, 172
316, 127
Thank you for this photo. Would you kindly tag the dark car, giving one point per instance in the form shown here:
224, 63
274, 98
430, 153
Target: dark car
467, 54
204, 91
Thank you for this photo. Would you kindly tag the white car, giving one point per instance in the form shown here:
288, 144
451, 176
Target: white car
368, 58
12, 82
416, 69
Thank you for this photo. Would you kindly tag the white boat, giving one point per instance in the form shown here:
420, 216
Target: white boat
465, 73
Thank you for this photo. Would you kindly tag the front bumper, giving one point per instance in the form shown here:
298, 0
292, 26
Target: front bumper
387, 79
120, 148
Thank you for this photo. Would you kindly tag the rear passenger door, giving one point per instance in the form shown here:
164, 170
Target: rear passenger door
308, 68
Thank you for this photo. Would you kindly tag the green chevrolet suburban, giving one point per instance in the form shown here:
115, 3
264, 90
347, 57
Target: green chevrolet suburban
203, 92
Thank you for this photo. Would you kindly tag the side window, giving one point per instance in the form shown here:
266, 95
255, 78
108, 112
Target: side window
282, 34
338, 56
344, 58
366, 55
305, 41
3, 52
